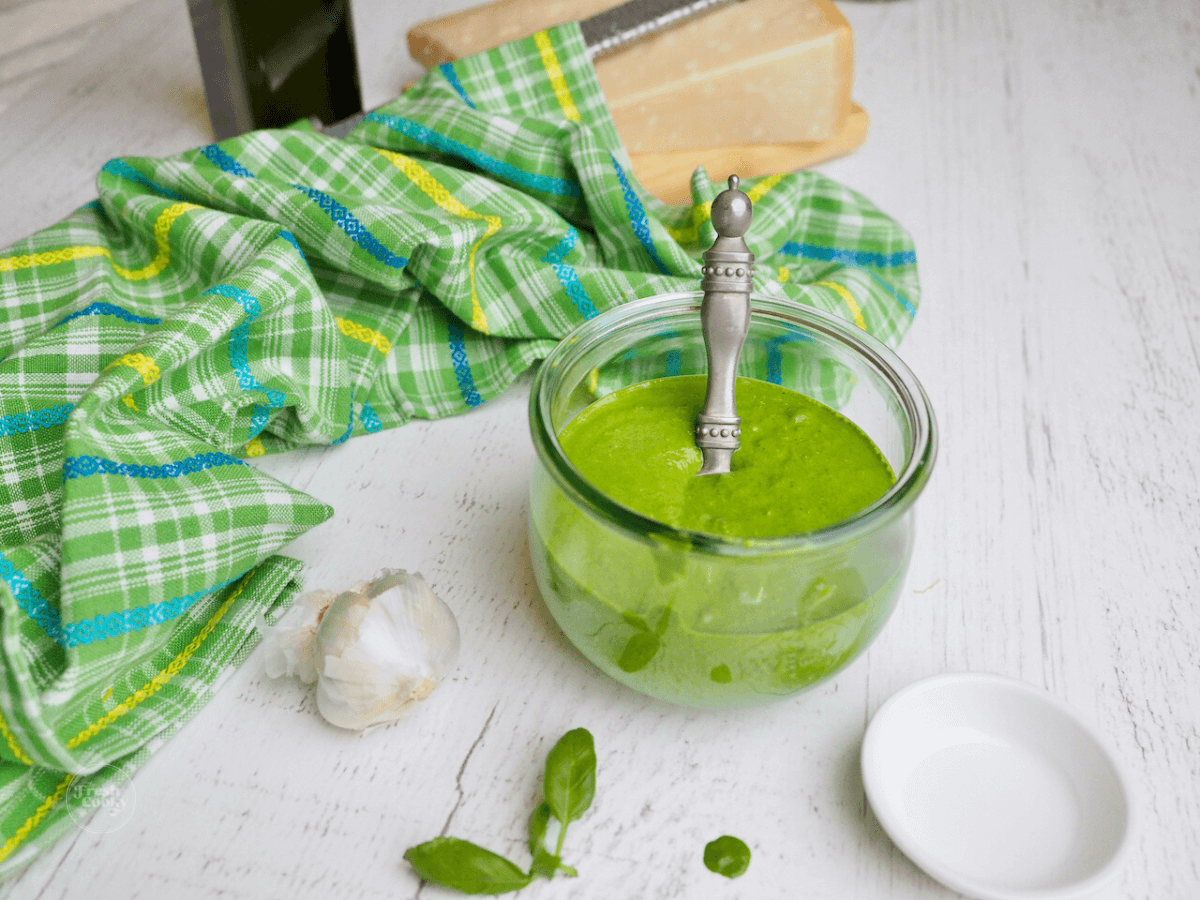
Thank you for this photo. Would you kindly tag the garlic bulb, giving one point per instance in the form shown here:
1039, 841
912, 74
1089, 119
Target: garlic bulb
375, 651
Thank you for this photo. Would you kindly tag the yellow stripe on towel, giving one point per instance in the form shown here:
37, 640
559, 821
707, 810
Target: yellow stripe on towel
851, 303
440, 194
554, 71
368, 336
162, 255
173, 668
33, 821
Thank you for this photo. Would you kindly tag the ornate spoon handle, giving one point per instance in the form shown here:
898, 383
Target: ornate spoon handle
725, 319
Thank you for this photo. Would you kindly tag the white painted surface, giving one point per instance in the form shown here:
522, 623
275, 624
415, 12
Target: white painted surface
1045, 156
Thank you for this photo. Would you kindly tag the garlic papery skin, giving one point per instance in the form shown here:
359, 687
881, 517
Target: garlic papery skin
289, 647
382, 649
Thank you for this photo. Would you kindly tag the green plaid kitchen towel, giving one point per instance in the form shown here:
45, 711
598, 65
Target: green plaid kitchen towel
283, 289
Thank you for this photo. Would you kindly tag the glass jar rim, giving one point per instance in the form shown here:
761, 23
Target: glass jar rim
910, 481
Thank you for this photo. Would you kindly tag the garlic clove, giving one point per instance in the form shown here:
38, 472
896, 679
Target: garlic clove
358, 706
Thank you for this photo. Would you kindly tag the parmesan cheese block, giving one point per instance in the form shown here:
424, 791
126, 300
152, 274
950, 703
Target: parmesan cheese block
667, 174
755, 72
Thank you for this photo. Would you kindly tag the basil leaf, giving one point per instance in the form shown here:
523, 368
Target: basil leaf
663, 621
545, 863
727, 856
570, 782
463, 866
639, 650
539, 822
635, 621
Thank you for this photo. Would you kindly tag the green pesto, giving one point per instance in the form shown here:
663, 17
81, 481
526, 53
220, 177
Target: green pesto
801, 465
713, 629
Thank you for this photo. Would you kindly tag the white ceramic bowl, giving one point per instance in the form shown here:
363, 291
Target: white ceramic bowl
997, 789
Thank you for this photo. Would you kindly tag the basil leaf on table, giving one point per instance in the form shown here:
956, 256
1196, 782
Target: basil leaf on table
539, 823
727, 855
463, 866
545, 863
570, 782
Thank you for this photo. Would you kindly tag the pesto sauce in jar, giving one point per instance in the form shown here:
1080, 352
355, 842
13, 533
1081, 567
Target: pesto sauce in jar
710, 629
801, 465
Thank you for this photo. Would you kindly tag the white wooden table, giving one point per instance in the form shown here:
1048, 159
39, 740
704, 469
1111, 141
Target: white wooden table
1047, 159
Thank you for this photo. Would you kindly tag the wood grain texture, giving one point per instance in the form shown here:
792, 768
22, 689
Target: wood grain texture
1045, 158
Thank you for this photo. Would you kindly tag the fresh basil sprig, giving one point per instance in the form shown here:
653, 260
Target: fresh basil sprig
569, 785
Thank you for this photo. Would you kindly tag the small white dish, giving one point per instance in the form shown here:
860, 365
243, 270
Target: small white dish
997, 789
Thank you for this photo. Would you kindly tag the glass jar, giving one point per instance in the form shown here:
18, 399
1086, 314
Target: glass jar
708, 621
